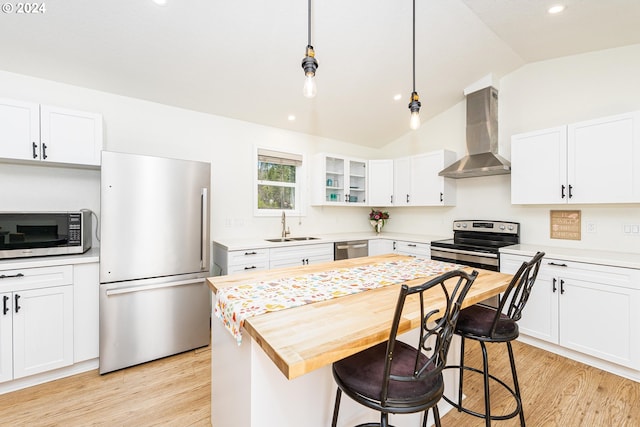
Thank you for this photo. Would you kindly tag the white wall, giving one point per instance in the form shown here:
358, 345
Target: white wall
536, 96
137, 126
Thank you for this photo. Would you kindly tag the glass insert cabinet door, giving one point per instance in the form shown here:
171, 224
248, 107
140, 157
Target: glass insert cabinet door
343, 180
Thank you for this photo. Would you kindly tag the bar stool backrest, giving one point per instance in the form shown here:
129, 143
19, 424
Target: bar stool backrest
517, 293
436, 329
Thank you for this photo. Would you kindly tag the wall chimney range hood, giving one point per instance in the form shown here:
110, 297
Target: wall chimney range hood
482, 157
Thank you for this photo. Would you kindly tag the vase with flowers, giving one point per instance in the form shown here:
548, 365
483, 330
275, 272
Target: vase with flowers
377, 219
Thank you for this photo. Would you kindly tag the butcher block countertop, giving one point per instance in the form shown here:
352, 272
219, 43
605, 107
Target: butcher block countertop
301, 339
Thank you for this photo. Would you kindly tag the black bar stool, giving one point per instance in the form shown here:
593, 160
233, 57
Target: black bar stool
488, 324
395, 377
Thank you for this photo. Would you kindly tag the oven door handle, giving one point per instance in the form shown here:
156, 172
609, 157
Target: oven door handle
461, 251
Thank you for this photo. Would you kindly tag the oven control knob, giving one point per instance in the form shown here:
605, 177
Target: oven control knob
511, 228
502, 227
464, 225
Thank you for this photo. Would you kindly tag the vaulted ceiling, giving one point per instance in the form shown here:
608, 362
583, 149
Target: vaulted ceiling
242, 59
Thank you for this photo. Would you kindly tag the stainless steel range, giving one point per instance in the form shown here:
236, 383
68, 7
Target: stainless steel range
477, 243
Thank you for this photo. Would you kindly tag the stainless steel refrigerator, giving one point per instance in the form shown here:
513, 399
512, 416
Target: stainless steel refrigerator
154, 257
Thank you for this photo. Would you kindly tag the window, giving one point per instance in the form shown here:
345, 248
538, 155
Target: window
278, 182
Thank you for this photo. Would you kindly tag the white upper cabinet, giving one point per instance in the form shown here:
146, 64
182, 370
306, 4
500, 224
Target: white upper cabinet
604, 160
417, 183
427, 187
339, 180
595, 161
402, 181
539, 167
70, 136
19, 129
29, 131
380, 182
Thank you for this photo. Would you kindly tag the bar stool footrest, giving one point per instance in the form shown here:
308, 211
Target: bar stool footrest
459, 407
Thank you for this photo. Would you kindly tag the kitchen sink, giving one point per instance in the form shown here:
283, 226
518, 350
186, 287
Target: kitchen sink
290, 239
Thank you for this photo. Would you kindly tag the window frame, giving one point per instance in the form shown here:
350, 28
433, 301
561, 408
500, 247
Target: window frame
299, 185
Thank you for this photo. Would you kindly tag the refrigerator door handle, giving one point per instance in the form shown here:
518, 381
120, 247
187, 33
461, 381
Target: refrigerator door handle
204, 213
130, 289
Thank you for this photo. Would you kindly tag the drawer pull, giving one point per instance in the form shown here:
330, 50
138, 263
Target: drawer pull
250, 268
411, 245
251, 253
558, 265
4, 276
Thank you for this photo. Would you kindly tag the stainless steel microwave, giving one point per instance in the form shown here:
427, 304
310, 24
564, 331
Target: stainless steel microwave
30, 234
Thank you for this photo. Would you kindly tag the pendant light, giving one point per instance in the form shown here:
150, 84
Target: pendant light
414, 104
309, 65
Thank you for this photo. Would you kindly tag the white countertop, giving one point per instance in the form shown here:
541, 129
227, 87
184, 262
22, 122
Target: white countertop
241, 244
591, 256
92, 255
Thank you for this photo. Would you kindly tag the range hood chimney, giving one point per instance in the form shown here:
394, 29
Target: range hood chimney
482, 157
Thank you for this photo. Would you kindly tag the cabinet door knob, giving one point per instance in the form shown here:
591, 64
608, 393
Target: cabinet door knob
44, 150
441, 196
570, 193
17, 297
562, 187
35, 147
561, 286
555, 288
407, 198
5, 307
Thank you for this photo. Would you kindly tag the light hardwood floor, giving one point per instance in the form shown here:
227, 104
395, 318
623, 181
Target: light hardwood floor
175, 391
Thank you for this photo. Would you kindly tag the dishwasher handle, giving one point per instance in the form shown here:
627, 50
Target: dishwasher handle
131, 289
360, 246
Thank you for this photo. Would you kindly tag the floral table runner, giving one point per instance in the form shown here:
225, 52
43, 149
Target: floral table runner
237, 303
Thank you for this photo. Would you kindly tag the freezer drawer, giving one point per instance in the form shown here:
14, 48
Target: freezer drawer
149, 319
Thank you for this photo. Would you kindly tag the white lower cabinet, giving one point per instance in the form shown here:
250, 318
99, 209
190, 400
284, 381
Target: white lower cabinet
6, 337
292, 256
36, 324
42, 330
247, 260
380, 247
589, 308
412, 248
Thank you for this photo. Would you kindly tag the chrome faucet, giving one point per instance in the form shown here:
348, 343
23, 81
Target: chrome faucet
285, 229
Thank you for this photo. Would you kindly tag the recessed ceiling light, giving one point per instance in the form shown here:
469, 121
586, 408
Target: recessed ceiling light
556, 9
160, 2
397, 97
291, 117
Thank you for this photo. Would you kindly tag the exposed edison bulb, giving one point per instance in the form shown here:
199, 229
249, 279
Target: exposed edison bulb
414, 122
414, 107
310, 89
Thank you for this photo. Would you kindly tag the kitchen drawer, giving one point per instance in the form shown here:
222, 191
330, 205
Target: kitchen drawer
35, 278
248, 267
247, 257
302, 251
413, 249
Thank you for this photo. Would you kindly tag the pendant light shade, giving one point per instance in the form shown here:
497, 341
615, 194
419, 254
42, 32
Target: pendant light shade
414, 103
309, 64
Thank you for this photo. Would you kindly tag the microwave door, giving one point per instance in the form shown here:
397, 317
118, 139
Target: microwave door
154, 217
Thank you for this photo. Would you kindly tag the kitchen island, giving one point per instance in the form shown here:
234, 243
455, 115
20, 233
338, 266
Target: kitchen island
281, 372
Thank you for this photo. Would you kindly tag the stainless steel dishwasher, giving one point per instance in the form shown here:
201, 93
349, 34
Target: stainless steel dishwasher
352, 249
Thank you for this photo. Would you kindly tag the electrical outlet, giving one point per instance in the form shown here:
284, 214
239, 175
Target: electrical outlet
591, 227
